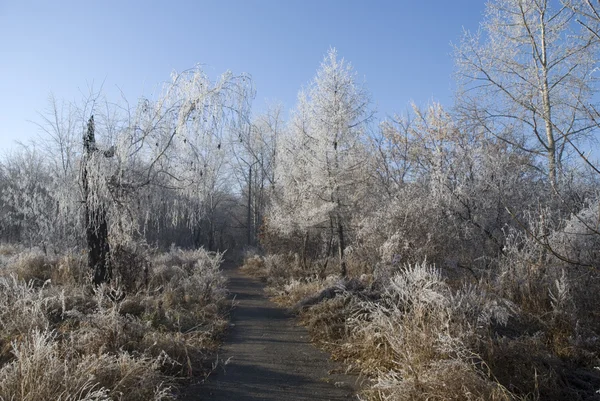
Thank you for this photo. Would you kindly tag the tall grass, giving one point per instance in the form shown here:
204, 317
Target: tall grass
62, 339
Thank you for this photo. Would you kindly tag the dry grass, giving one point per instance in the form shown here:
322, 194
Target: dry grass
62, 339
419, 338
296, 290
8, 249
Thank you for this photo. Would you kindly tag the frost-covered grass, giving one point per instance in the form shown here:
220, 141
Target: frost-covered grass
416, 335
62, 339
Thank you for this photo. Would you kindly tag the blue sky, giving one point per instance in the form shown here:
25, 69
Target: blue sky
400, 48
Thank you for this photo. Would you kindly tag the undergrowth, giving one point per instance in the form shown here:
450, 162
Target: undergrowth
134, 340
415, 334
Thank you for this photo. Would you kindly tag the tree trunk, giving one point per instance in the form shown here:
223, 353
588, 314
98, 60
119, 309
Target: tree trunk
329, 249
96, 226
304, 246
341, 246
211, 234
197, 233
98, 247
547, 110
249, 216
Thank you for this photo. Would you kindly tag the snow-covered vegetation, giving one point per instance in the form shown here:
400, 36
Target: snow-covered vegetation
447, 253
64, 339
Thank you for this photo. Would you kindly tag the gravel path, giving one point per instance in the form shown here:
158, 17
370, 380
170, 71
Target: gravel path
269, 356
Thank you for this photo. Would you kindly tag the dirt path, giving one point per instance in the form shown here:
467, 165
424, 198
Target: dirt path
270, 357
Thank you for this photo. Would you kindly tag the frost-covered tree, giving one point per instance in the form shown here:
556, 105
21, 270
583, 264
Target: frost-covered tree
253, 166
443, 190
29, 205
115, 174
40, 185
321, 161
176, 143
525, 77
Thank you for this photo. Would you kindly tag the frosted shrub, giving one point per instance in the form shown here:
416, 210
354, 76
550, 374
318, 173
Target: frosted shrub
579, 241
417, 285
255, 266
163, 273
274, 264
407, 228
189, 260
275, 269
389, 251
480, 308
106, 331
421, 332
8, 249
202, 281
525, 273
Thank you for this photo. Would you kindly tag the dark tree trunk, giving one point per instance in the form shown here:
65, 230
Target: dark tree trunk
96, 226
211, 234
221, 242
197, 232
98, 247
341, 246
304, 250
249, 216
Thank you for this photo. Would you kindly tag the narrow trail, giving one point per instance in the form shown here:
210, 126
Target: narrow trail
270, 356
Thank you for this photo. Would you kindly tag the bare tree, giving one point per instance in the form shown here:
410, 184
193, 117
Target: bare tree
254, 160
525, 76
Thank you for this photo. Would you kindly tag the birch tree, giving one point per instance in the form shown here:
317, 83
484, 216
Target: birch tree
525, 75
320, 163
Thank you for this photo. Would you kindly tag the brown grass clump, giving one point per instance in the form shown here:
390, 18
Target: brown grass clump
41, 371
34, 266
327, 320
8, 250
22, 309
254, 266
296, 290
451, 380
70, 270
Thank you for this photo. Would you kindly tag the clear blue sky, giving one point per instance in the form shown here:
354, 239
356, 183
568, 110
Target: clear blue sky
401, 48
